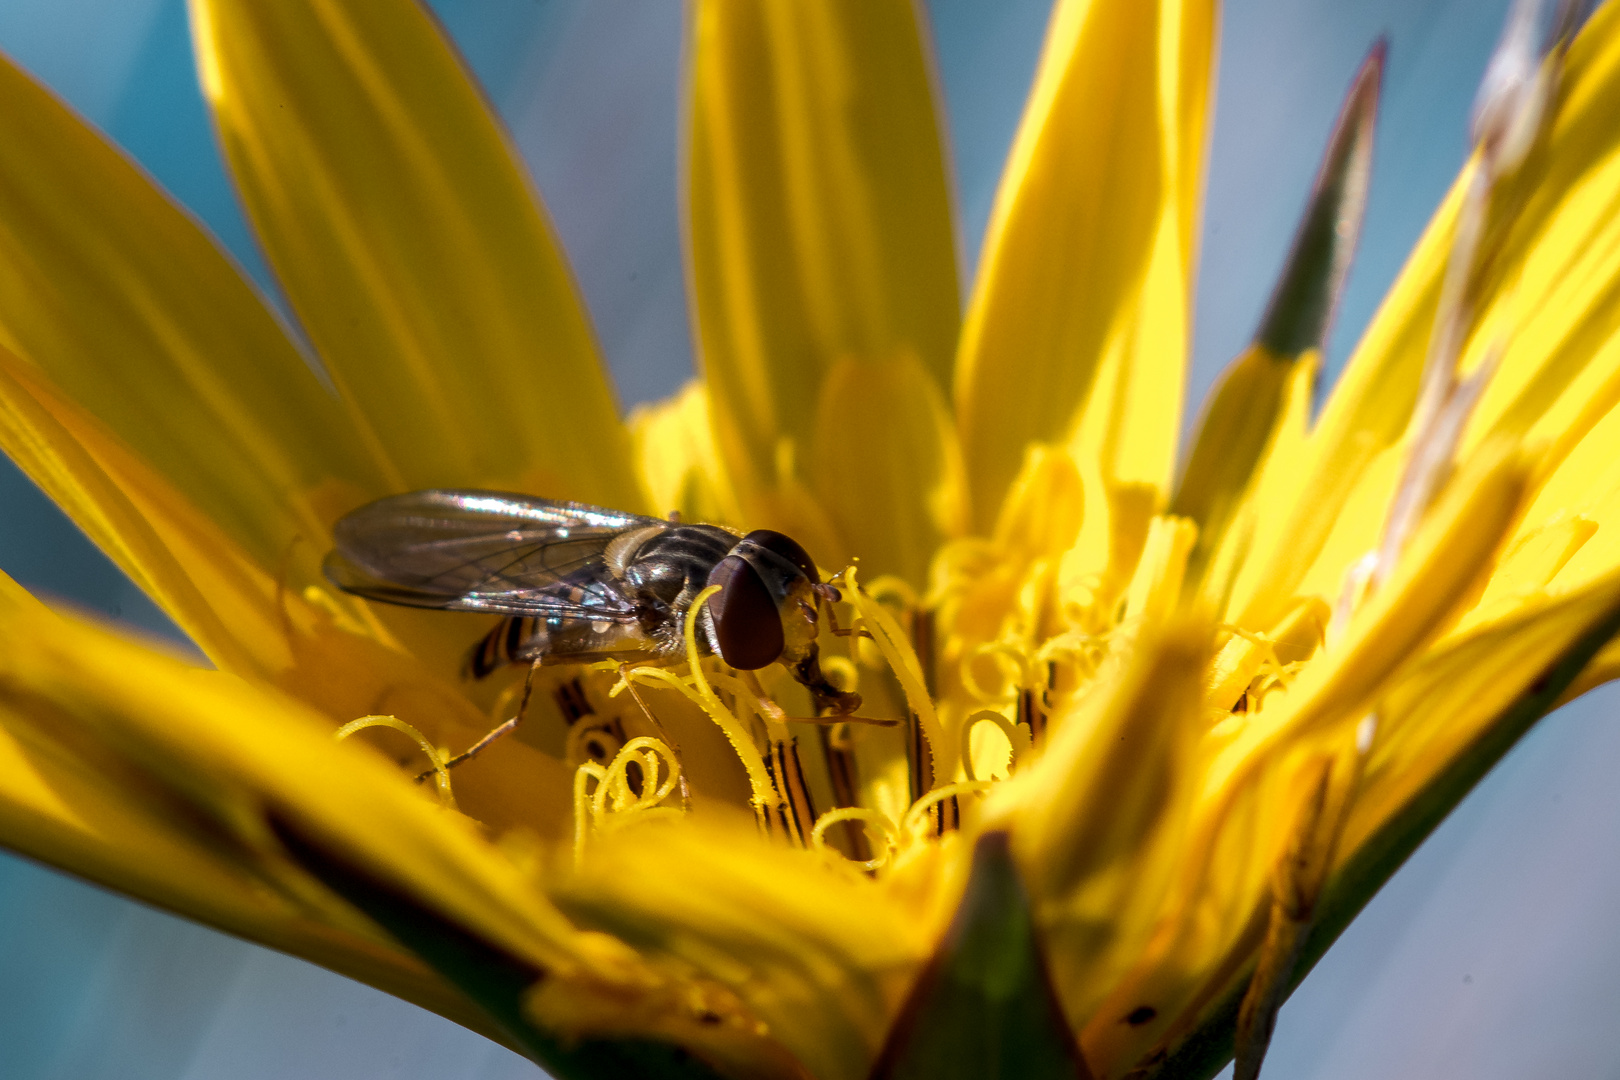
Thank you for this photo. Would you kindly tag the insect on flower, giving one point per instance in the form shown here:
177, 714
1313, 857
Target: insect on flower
579, 584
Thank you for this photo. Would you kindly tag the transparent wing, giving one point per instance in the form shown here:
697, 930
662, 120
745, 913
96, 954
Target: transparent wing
483, 551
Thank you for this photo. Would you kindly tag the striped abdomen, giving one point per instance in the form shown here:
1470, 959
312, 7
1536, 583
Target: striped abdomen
507, 643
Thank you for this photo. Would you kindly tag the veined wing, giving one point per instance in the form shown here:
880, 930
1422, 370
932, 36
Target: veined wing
483, 551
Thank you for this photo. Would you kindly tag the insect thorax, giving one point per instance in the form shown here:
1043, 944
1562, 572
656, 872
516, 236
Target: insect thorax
666, 571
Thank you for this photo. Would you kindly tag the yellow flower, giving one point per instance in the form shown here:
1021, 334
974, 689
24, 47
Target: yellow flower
1140, 745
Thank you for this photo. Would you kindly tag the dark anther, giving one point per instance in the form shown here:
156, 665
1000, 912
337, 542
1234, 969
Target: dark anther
596, 747
571, 701
1141, 1015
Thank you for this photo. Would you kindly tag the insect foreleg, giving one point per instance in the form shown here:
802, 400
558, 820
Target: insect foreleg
841, 631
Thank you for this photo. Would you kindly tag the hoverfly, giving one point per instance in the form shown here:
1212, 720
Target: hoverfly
579, 583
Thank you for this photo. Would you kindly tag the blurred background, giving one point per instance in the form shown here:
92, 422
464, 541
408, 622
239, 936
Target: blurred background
1494, 953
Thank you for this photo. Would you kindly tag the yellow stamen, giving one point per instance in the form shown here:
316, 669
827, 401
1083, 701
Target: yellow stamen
647, 753
577, 748
696, 687
1017, 738
583, 775
891, 641
1012, 656
870, 818
613, 803
441, 772
769, 712
888, 587
911, 827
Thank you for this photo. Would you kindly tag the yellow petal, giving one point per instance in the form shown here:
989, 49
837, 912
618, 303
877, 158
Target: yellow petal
170, 551
1045, 508
178, 785
1215, 915
1440, 707
247, 618
163, 406
69, 807
819, 954
412, 246
1102, 813
885, 461
1084, 290
1277, 470
1446, 563
1550, 298
1555, 287
680, 465
1240, 423
820, 235
132, 311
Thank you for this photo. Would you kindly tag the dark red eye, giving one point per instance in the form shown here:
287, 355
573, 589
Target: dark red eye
785, 547
746, 626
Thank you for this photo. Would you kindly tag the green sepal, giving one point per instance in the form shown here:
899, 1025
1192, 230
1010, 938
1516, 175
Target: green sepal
1208, 1048
1301, 309
492, 978
984, 1008
1243, 410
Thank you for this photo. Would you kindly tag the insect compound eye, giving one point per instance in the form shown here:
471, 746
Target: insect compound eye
747, 629
784, 547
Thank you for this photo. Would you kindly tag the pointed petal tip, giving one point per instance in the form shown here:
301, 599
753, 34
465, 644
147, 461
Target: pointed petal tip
1373, 63
1361, 103
1301, 310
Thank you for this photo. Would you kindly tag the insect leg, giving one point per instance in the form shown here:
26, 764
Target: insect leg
832, 620
495, 733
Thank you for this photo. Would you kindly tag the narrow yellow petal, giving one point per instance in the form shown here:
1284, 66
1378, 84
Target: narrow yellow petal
884, 457
152, 542
216, 776
1103, 810
64, 802
822, 956
1045, 508
412, 246
247, 618
1438, 708
114, 292
820, 237
1239, 424
1549, 298
1444, 567
1555, 287
1216, 913
1278, 470
1079, 317
681, 466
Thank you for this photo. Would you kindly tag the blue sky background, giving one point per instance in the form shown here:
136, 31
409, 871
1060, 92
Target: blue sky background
1494, 953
